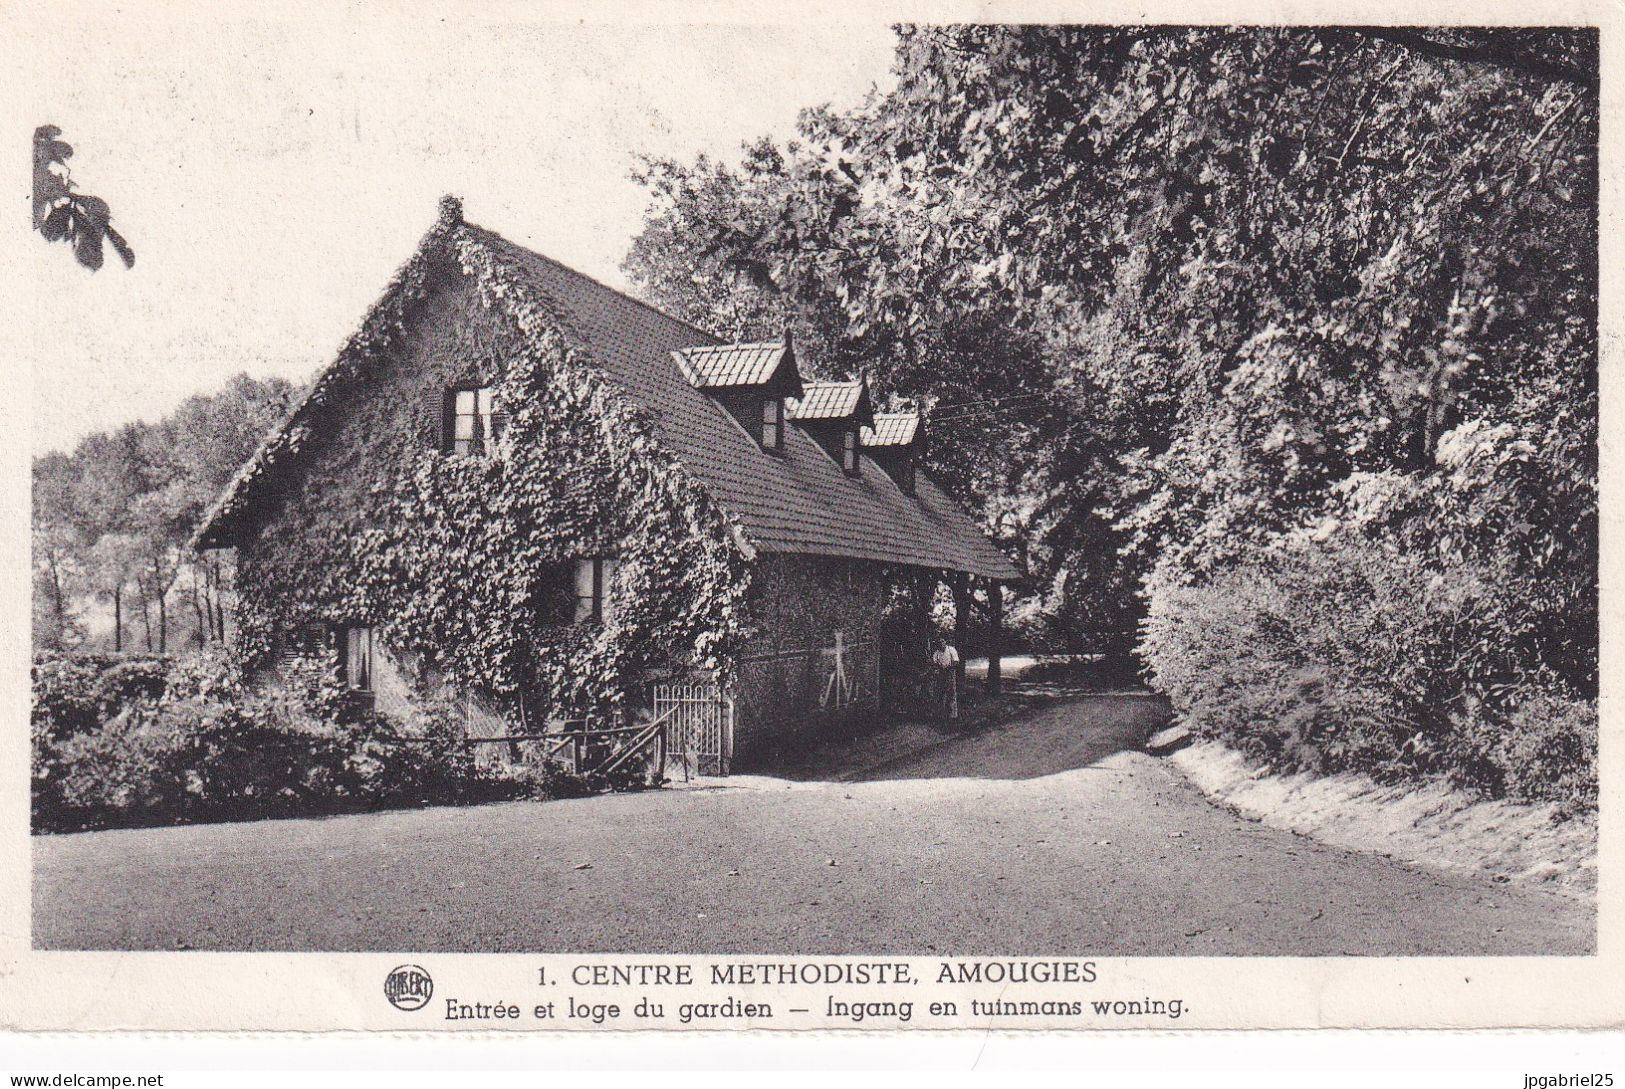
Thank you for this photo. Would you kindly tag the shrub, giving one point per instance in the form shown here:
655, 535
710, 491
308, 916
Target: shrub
132, 680
1544, 748
389, 767
1349, 656
244, 762
67, 699
212, 675
186, 742
74, 693
1281, 661
131, 770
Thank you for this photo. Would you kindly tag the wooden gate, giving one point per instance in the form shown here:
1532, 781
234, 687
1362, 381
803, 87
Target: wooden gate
699, 725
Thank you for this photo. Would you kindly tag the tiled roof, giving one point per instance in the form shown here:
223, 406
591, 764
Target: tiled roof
800, 501
795, 502
719, 366
832, 401
892, 429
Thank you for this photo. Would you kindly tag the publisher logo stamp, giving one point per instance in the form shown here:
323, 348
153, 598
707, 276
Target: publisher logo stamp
408, 987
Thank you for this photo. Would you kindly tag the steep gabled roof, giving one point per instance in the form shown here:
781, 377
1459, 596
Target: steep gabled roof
892, 429
833, 401
261, 473
798, 501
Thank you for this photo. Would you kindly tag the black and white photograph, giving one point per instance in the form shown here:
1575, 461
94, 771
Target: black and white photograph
1043, 491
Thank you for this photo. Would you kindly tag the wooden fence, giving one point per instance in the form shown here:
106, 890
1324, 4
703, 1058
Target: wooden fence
587, 749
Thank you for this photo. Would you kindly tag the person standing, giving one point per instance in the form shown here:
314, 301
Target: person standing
946, 660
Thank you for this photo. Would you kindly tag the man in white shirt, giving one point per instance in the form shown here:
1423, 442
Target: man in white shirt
946, 659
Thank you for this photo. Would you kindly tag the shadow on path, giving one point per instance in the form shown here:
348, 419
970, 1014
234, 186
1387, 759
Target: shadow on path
1045, 730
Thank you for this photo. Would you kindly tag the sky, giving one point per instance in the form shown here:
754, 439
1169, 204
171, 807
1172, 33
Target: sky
272, 173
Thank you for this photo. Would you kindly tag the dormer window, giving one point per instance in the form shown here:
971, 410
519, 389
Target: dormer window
773, 424
894, 442
472, 423
749, 381
831, 413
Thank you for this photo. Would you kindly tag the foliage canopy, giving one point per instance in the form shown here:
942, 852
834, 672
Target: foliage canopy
1188, 283
1200, 305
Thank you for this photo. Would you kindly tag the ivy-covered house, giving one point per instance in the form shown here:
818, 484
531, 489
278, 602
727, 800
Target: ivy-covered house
519, 484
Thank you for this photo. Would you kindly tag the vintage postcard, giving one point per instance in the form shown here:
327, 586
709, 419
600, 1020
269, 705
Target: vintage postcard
926, 517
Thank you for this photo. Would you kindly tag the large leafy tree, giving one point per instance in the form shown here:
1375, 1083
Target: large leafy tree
1187, 282
56, 544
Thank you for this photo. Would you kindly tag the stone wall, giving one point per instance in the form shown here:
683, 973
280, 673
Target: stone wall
787, 692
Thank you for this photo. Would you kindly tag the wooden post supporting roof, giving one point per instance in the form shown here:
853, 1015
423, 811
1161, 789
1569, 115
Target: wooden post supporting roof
995, 636
962, 601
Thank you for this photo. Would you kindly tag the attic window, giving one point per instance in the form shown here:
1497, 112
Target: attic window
773, 424
849, 452
472, 423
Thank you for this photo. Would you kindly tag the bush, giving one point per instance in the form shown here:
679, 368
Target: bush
133, 680
1330, 657
1543, 749
211, 675
67, 698
131, 768
135, 742
75, 693
1279, 661
194, 760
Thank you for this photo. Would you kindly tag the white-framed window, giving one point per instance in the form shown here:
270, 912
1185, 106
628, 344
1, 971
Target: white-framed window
473, 421
849, 452
773, 424
592, 579
358, 659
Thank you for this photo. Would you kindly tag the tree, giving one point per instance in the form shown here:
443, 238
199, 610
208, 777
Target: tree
62, 215
115, 563
55, 623
121, 506
1201, 276
56, 542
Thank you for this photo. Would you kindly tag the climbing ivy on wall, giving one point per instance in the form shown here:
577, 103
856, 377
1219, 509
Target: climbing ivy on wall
462, 564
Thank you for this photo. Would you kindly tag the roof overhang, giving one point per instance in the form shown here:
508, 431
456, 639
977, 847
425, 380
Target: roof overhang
768, 365
834, 403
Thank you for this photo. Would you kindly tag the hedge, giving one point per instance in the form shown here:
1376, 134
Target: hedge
124, 742
1354, 657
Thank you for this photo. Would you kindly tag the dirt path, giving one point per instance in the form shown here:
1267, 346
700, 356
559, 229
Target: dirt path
1047, 835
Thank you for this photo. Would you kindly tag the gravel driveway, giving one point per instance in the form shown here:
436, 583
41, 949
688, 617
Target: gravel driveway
1047, 835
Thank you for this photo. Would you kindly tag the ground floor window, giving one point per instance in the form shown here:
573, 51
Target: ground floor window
593, 574
358, 659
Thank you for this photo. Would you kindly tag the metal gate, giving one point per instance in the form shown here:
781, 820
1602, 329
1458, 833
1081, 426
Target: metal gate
699, 733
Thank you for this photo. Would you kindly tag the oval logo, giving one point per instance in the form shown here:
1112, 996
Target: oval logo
408, 987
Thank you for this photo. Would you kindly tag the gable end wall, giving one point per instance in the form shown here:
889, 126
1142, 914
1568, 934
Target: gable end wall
463, 564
